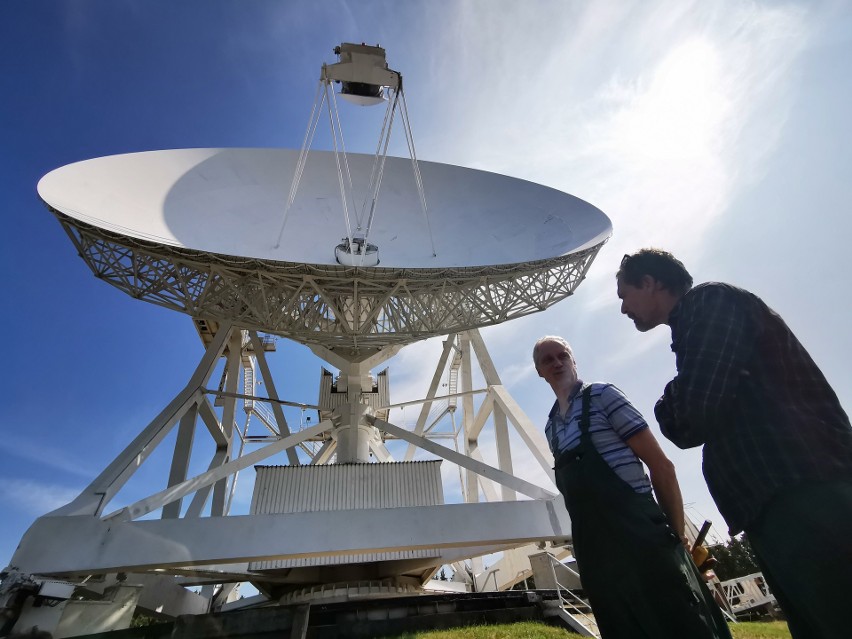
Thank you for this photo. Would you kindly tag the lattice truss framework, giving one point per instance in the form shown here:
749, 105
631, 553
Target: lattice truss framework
332, 306
213, 549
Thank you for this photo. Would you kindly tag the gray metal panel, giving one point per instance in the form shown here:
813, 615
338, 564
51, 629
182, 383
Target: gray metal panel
383, 384
326, 381
332, 394
294, 489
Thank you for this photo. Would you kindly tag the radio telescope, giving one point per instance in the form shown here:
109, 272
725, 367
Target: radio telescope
253, 243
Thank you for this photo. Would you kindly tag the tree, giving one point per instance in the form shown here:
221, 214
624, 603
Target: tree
734, 559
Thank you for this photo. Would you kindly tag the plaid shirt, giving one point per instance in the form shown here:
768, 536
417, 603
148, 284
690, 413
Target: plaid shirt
748, 390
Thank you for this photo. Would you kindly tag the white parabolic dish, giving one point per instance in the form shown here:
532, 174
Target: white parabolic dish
232, 201
195, 230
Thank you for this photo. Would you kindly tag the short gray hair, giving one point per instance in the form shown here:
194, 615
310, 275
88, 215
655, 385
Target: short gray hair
550, 338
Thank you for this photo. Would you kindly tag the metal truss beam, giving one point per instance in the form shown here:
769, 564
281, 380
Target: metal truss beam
345, 309
93, 499
108, 546
467, 462
221, 545
158, 500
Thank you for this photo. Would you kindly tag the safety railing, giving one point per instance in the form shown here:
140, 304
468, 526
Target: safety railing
745, 593
571, 602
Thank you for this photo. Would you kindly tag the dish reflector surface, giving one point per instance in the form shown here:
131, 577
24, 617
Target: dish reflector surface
232, 202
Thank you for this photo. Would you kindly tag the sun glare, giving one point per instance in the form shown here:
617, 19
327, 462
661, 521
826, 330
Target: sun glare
680, 113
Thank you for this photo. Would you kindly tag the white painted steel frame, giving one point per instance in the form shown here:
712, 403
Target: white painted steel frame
354, 312
107, 546
75, 521
352, 317
344, 71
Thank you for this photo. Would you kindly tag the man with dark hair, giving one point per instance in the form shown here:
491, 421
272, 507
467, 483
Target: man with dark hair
662, 266
777, 442
637, 574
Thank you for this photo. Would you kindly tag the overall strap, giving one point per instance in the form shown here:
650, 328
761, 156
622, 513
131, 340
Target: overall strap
584, 416
553, 426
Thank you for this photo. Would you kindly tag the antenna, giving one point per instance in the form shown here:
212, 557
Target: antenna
190, 230
187, 229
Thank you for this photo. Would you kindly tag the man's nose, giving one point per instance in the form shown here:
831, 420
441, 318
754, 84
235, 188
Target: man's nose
623, 309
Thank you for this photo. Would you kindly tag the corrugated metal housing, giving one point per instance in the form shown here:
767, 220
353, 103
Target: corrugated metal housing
295, 489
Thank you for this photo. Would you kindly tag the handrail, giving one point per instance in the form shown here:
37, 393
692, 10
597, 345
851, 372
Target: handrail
571, 603
491, 574
749, 591
266, 416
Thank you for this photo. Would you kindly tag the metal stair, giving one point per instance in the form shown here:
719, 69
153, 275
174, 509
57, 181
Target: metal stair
571, 608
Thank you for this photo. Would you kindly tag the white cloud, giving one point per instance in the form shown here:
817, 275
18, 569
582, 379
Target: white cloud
657, 113
44, 455
34, 497
661, 114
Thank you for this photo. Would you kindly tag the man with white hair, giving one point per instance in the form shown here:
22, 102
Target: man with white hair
639, 578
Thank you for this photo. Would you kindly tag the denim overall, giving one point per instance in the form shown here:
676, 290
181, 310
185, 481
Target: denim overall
640, 581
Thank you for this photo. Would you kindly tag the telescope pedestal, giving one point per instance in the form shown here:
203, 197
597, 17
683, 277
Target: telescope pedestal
204, 544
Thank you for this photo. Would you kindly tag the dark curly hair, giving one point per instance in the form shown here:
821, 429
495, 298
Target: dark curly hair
661, 265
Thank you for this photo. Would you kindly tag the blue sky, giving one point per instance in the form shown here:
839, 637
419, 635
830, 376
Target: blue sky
718, 131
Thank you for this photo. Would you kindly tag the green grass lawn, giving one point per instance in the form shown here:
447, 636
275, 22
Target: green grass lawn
537, 630
521, 630
760, 630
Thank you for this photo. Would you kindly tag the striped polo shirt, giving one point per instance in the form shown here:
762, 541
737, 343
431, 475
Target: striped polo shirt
612, 421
